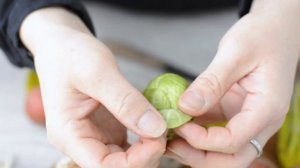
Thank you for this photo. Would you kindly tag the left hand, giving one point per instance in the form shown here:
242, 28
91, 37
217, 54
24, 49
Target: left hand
249, 84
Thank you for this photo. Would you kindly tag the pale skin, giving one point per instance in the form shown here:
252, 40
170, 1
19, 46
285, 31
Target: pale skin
249, 84
89, 104
86, 98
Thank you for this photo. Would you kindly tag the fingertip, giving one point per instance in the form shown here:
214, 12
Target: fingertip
151, 124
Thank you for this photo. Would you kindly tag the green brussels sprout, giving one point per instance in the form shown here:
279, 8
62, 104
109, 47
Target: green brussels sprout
163, 92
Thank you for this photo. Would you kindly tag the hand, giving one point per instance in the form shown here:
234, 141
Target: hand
79, 75
249, 84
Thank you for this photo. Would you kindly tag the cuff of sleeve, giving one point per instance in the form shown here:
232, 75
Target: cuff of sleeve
19, 55
245, 6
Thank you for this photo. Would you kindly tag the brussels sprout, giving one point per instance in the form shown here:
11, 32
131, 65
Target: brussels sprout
163, 92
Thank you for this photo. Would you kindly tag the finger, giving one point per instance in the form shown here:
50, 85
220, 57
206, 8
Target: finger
183, 152
88, 152
140, 153
230, 139
186, 154
126, 103
145, 153
257, 112
230, 104
225, 70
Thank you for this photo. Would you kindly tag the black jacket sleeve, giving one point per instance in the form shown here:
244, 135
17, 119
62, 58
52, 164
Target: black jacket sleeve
245, 6
13, 12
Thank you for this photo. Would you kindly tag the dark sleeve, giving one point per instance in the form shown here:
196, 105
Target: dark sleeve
13, 12
245, 6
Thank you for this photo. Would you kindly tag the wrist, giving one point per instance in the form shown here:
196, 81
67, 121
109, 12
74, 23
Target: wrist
280, 16
49, 27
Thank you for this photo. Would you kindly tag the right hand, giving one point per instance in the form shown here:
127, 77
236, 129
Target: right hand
79, 75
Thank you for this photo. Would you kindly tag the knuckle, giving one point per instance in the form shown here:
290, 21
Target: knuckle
125, 103
197, 144
212, 83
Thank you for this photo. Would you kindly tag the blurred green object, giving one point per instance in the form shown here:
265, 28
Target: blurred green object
288, 144
163, 92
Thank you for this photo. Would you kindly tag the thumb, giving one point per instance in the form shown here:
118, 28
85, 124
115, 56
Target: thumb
127, 104
226, 69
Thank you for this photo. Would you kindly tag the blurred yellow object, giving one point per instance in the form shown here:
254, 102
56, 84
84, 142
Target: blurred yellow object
288, 144
32, 81
220, 124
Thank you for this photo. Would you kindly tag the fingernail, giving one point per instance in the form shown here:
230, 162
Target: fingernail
152, 123
192, 101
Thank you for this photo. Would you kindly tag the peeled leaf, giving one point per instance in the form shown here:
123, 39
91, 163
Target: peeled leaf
174, 117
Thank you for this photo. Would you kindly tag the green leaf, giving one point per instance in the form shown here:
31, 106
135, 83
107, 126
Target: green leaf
174, 117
